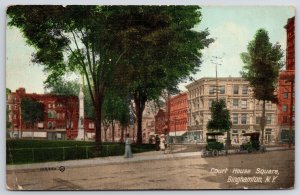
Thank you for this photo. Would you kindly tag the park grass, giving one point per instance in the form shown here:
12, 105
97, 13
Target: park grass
34, 151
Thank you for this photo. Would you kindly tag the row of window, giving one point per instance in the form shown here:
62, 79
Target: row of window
236, 89
53, 105
243, 119
285, 108
285, 119
178, 102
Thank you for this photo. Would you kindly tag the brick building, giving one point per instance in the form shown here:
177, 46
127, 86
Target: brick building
60, 120
161, 122
178, 115
286, 85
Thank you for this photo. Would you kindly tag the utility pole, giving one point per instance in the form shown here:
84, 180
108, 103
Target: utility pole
217, 84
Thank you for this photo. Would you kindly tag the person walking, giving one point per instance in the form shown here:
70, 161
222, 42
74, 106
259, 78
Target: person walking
157, 142
162, 143
128, 153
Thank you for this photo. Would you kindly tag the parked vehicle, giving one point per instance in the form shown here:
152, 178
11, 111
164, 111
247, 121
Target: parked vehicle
213, 147
252, 144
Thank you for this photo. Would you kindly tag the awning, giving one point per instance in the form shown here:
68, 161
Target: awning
178, 133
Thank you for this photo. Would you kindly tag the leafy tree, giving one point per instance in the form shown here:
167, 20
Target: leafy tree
220, 119
63, 87
163, 54
115, 108
86, 39
262, 63
153, 46
31, 111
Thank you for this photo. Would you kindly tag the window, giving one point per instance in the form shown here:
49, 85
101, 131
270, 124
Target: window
222, 89
51, 114
284, 108
284, 119
49, 125
269, 118
293, 108
244, 104
210, 103
285, 95
235, 89
211, 89
244, 119
258, 119
245, 89
235, 103
235, 119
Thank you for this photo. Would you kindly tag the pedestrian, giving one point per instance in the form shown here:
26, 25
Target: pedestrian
157, 142
128, 153
162, 143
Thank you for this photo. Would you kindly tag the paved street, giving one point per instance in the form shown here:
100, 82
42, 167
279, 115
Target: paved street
180, 171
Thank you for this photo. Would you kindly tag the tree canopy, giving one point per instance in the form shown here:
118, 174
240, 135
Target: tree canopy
139, 49
31, 110
262, 63
220, 117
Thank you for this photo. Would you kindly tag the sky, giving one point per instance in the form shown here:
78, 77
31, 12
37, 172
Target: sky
231, 27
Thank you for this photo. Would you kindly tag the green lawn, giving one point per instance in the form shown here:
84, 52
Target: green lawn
33, 151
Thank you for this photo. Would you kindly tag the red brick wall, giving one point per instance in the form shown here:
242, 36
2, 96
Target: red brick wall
160, 122
284, 84
178, 112
64, 109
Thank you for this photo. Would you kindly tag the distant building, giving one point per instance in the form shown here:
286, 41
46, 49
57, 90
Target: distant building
60, 119
178, 115
161, 122
244, 109
285, 84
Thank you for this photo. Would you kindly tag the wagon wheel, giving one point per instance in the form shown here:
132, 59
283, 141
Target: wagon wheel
215, 153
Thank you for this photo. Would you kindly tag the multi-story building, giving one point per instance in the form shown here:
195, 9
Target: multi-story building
286, 87
161, 123
178, 115
60, 119
245, 111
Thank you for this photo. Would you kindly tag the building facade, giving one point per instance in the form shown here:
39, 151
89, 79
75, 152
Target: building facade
286, 89
161, 122
178, 115
245, 111
60, 119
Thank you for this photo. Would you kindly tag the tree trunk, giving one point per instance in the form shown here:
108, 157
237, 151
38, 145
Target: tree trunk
122, 134
98, 140
105, 137
139, 112
228, 140
113, 130
263, 122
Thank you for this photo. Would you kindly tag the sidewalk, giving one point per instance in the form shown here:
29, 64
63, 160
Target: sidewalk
153, 155
146, 156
